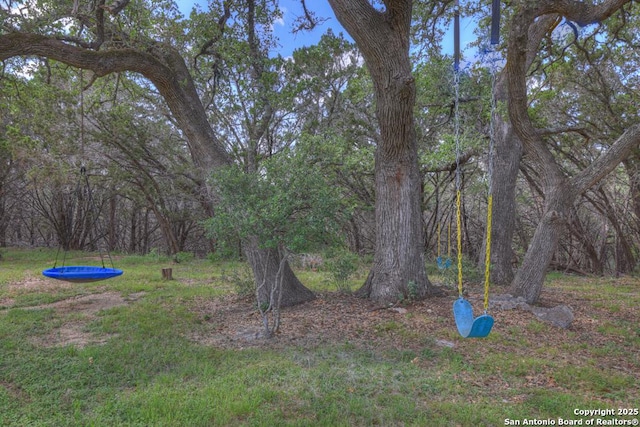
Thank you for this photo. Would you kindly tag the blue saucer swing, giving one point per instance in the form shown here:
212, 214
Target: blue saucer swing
82, 273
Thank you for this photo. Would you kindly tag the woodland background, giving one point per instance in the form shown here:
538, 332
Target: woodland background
311, 114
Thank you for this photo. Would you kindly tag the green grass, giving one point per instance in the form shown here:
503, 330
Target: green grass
147, 373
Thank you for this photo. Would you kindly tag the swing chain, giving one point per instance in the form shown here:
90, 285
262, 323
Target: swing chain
492, 133
456, 116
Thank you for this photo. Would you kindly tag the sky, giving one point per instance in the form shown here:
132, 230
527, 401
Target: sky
292, 10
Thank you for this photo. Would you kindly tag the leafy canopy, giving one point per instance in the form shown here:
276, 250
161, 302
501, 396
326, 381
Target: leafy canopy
287, 203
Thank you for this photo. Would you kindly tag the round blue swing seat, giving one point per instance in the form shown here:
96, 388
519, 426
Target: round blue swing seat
443, 263
81, 273
468, 326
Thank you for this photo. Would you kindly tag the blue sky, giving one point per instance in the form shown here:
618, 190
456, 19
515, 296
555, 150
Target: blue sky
321, 8
292, 10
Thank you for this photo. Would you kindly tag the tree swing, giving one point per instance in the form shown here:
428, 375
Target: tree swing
82, 273
468, 325
444, 262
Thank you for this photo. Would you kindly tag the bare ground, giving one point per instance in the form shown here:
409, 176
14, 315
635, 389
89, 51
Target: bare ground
336, 318
234, 322
76, 312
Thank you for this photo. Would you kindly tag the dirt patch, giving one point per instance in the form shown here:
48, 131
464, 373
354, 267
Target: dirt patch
39, 284
331, 318
32, 284
85, 304
334, 318
83, 309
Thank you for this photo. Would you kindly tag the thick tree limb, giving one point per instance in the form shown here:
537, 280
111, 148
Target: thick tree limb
162, 65
517, 65
604, 164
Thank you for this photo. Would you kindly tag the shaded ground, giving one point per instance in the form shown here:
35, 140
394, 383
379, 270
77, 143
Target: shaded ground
335, 318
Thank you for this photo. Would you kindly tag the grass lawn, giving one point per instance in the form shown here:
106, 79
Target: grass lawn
138, 350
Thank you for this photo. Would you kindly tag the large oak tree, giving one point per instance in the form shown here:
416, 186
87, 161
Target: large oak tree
559, 189
103, 50
383, 37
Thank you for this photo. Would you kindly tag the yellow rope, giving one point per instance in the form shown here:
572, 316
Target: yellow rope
487, 255
438, 240
449, 239
459, 235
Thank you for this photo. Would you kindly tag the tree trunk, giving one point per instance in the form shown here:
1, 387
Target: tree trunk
399, 256
559, 191
265, 264
383, 38
166, 69
530, 277
505, 166
586, 241
133, 233
632, 167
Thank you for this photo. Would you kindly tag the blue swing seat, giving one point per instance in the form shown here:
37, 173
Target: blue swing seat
468, 326
443, 263
81, 273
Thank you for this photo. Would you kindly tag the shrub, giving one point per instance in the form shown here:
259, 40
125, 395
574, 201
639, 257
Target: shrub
341, 265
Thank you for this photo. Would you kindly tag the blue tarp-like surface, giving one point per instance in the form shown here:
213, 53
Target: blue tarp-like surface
80, 273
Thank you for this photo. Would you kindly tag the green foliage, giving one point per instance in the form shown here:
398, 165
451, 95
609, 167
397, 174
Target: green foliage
241, 278
286, 204
183, 256
341, 264
412, 289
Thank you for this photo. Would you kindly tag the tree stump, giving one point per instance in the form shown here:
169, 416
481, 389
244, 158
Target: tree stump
167, 273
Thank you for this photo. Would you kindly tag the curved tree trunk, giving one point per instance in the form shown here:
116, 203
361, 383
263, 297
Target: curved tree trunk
632, 168
383, 38
530, 277
559, 191
166, 69
505, 165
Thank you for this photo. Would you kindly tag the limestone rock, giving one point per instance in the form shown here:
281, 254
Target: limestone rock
560, 316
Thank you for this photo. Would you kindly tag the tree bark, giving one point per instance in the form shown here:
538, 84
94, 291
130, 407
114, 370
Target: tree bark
265, 264
530, 276
166, 69
559, 190
505, 166
632, 167
383, 39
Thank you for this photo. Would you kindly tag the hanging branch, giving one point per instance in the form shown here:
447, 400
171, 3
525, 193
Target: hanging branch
308, 21
208, 48
116, 7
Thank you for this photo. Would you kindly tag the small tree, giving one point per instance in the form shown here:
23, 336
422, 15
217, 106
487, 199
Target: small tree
287, 205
